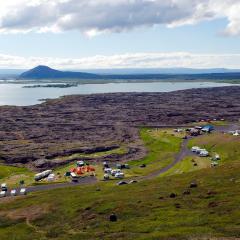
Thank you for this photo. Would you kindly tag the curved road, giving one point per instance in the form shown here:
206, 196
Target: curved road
184, 152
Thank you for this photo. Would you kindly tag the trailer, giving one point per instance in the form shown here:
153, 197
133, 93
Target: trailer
42, 175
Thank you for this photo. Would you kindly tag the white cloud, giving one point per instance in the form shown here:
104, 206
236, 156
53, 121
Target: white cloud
137, 60
103, 16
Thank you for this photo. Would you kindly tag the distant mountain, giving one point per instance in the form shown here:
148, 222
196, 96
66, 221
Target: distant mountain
45, 72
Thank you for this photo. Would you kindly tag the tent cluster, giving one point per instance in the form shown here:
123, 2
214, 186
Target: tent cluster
82, 168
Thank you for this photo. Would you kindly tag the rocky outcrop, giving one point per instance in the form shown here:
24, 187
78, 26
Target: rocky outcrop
89, 123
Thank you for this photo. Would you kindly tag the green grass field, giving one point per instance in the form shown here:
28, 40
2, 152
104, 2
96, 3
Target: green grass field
187, 165
162, 146
226, 145
12, 175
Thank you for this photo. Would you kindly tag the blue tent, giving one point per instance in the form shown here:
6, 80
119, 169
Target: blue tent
208, 128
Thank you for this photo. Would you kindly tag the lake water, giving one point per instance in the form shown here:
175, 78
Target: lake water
15, 94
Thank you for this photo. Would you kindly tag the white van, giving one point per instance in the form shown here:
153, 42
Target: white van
3, 194
119, 175
204, 153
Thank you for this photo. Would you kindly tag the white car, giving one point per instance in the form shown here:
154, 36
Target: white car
2, 194
115, 171
4, 187
119, 175
13, 192
236, 134
23, 191
106, 177
107, 170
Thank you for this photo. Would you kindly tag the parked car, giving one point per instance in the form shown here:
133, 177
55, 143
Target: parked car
23, 191
106, 177
80, 163
107, 170
119, 175
115, 171
4, 187
204, 153
3, 194
13, 192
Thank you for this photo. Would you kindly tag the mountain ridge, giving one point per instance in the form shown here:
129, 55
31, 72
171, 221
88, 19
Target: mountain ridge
45, 72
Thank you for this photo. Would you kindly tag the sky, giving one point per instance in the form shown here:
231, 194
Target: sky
93, 34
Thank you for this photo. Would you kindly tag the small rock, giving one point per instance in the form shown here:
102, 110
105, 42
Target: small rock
193, 185
177, 205
211, 192
212, 204
172, 195
113, 217
142, 165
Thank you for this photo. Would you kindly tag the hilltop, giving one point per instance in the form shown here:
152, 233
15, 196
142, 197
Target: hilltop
45, 72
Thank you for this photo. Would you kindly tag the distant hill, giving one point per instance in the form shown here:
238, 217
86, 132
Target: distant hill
170, 71
44, 72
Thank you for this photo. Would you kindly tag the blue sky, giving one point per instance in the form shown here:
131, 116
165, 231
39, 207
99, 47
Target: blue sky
202, 38
68, 42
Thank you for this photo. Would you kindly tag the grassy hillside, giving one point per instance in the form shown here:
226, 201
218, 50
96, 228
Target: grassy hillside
145, 210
